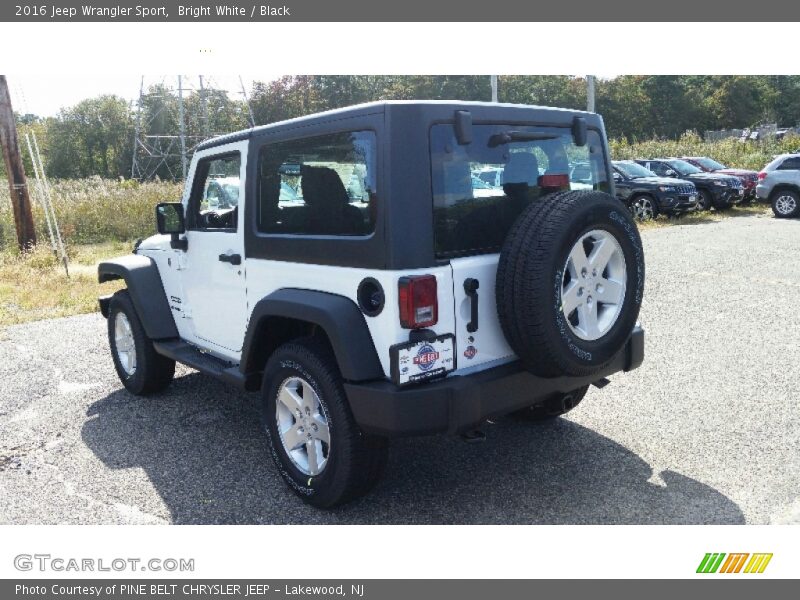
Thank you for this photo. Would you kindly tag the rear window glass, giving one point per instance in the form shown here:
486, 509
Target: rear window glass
480, 188
790, 164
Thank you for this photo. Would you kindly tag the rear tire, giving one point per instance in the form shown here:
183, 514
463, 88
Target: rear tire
140, 368
552, 407
786, 204
316, 444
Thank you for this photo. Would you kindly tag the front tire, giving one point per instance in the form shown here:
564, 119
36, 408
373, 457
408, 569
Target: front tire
316, 444
644, 208
140, 368
705, 201
786, 204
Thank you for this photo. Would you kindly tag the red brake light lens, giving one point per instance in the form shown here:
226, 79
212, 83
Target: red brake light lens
419, 305
554, 181
762, 175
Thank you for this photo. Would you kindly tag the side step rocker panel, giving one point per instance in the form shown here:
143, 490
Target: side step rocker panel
190, 356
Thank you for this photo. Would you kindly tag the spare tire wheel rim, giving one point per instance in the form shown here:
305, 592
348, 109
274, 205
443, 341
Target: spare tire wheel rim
593, 285
785, 204
124, 343
302, 425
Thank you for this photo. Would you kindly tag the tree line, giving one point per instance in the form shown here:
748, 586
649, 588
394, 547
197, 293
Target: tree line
95, 137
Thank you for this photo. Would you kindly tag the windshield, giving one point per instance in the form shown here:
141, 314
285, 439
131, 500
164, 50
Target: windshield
632, 170
472, 214
683, 167
710, 164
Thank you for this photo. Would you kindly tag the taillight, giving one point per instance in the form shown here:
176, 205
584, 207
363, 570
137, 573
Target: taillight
762, 175
419, 306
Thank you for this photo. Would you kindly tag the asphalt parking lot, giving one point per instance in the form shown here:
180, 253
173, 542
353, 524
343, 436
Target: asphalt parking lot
707, 431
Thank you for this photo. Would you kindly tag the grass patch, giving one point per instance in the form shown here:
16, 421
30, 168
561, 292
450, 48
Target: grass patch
731, 152
93, 210
33, 285
713, 216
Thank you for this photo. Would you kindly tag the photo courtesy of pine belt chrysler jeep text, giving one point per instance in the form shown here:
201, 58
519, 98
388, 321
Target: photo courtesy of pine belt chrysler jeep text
356, 269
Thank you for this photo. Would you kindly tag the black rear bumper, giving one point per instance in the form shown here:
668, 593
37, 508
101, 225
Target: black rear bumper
461, 402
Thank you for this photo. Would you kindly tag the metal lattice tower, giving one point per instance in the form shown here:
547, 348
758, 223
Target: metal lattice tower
168, 152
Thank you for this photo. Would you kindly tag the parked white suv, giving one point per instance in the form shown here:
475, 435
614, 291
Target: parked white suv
366, 291
779, 183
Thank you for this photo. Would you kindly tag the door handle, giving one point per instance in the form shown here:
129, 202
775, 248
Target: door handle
471, 286
234, 259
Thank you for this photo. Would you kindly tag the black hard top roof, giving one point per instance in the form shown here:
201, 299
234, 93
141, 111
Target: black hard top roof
496, 109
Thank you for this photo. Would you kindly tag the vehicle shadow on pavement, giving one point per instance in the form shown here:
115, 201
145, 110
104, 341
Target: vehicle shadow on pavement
200, 443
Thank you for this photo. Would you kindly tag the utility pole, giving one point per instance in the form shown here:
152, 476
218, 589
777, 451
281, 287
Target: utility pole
494, 88
590, 93
247, 102
204, 109
138, 129
20, 199
182, 126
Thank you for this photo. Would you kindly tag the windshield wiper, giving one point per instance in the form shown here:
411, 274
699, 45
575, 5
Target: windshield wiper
507, 137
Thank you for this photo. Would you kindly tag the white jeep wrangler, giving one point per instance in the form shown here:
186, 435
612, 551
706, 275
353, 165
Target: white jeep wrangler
342, 265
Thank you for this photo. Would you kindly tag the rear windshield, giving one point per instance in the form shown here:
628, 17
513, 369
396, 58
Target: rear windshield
480, 188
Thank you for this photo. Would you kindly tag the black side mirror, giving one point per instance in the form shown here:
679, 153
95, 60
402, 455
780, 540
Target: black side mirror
463, 127
170, 220
617, 177
579, 131
672, 173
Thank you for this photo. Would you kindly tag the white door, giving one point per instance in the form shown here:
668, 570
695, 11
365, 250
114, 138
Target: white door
213, 266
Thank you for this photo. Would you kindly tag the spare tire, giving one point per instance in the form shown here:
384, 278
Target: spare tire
570, 282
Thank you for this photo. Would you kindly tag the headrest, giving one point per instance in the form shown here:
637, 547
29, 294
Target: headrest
322, 185
522, 167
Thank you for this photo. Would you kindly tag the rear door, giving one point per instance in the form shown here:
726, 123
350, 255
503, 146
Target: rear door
471, 225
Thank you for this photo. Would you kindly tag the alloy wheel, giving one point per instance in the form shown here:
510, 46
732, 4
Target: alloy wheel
302, 425
593, 289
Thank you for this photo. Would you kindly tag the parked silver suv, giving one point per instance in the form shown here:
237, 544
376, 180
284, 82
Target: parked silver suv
779, 183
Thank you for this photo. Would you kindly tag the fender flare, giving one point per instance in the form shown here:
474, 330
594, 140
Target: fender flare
146, 291
339, 317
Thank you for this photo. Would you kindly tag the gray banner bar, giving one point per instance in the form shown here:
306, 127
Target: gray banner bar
706, 587
405, 10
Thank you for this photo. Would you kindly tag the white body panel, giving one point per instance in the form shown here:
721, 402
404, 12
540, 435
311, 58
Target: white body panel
266, 276
487, 344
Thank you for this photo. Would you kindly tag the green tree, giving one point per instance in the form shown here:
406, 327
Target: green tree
91, 138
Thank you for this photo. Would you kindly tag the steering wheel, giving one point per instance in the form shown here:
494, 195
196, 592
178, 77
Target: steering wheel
214, 220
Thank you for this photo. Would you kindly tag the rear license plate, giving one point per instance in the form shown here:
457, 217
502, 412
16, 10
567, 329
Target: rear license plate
412, 362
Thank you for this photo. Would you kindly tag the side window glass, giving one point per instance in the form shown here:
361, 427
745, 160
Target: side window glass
322, 185
214, 204
790, 164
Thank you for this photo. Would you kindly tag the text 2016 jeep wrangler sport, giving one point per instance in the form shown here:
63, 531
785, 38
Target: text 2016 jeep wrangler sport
352, 267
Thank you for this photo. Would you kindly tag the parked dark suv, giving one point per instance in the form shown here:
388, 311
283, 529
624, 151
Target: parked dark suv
647, 195
748, 178
717, 190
